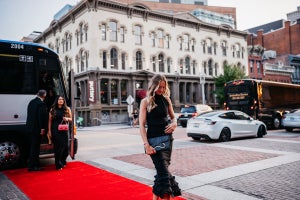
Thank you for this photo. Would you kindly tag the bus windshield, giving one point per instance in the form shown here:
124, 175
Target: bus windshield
19, 75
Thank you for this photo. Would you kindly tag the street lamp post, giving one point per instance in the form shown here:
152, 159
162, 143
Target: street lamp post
202, 82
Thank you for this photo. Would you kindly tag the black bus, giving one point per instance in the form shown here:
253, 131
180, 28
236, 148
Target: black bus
263, 100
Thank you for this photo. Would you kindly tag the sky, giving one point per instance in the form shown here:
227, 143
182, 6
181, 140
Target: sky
19, 18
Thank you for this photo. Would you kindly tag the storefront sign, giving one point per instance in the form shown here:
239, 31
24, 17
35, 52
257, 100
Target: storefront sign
92, 91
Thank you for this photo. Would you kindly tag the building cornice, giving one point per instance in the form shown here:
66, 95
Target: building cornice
130, 11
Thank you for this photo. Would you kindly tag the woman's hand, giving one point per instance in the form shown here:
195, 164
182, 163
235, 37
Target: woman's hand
49, 135
171, 128
66, 119
149, 149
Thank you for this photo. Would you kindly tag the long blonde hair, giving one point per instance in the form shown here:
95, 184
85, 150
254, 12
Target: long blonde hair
154, 85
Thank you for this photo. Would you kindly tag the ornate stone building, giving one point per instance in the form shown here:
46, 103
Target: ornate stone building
115, 48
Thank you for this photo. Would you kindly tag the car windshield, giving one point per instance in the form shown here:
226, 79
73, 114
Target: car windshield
188, 110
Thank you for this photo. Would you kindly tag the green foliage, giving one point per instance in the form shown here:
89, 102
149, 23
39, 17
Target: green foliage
230, 73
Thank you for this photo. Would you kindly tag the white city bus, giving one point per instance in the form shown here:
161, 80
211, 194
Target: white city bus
23, 69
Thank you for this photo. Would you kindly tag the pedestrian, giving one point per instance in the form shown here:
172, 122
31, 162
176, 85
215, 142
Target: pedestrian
36, 124
59, 113
135, 116
154, 109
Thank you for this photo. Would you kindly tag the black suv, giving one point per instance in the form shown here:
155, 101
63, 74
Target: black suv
188, 112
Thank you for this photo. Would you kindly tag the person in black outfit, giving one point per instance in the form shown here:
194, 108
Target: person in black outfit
36, 124
135, 116
154, 111
59, 113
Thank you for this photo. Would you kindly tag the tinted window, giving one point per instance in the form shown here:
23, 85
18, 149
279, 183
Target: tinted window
241, 116
228, 115
17, 74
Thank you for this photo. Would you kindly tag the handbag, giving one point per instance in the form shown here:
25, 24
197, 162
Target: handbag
160, 143
63, 127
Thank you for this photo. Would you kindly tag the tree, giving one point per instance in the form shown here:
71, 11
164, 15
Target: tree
230, 73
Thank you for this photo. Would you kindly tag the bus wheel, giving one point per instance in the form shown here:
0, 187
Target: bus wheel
9, 154
261, 131
276, 123
225, 135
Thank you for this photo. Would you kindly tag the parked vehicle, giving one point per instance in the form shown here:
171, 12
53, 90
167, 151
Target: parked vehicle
224, 125
262, 100
291, 120
188, 112
24, 69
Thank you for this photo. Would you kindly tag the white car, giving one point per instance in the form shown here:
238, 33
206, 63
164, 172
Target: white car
291, 120
223, 125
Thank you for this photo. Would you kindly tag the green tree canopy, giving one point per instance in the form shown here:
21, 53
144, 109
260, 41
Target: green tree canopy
230, 73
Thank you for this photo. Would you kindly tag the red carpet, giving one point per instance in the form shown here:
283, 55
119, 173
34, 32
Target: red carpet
78, 181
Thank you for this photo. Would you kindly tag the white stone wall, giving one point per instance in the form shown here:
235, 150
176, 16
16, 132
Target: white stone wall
95, 45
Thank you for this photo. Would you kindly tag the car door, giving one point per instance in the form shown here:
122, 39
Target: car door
245, 126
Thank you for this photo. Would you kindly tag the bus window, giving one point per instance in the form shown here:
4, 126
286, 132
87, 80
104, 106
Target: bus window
16, 77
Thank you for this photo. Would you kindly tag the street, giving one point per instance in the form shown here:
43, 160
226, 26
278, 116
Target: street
249, 168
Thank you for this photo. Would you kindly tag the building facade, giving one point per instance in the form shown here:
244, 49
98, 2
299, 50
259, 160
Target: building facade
115, 49
274, 51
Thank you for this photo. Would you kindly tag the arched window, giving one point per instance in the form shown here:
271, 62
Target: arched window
224, 48
187, 65
186, 42
181, 66
81, 33
216, 69
138, 34
123, 60
210, 67
103, 31
114, 58
152, 37
67, 42
161, 64
153, 63
209, 46
104, 59
160, 37
194, 67
138, 60
169, 64
113, 31
81, 60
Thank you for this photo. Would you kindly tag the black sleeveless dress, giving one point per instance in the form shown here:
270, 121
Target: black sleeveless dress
60, 140
157, 120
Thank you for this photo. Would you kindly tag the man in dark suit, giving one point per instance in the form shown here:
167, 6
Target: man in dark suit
36, 123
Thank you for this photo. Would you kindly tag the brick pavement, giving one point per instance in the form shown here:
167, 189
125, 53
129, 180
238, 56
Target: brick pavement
197, 160
284, 184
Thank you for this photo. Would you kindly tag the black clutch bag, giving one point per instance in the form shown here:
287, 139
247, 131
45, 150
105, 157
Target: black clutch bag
160, 143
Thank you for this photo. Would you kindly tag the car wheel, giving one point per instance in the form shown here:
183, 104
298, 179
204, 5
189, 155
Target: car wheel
10, 154
225, 135
276, 123
261, 131
289, 129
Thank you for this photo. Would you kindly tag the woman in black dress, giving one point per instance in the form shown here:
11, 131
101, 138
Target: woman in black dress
59, 113
154, 111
